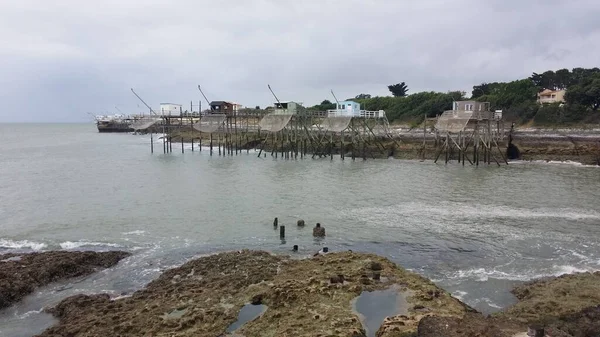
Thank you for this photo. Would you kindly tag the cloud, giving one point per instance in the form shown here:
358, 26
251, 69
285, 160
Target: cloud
63, 59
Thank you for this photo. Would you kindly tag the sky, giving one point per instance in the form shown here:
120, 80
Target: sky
62, 60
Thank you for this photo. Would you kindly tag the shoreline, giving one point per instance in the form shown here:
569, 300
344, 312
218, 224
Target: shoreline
534, 145
22, 274
204, 295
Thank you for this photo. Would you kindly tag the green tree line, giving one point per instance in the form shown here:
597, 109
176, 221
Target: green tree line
517, 99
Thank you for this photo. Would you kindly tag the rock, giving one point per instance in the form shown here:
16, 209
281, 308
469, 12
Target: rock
472, 324
337, 279
300, 299
579, 324
318, 231
364, 279
257, 299
374, 266
39, 269
300, 223
551, 298
74, 304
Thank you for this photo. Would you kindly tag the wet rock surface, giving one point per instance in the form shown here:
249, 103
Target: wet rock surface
301, 298
315, 297
21, 274
566, 306
546, 299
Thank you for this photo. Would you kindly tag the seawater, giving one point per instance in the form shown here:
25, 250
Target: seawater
476, 231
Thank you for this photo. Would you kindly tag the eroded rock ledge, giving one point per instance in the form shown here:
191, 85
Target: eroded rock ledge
314, 297
21, 274
308, 297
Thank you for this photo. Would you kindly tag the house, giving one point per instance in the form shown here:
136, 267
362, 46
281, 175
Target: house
470, 106
352, 109
224, 107
170, 109
287, 107
473, 109
551, 96
348, 108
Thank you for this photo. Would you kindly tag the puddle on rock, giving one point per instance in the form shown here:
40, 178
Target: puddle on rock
14, 258
175, 314
374, 306
247, 313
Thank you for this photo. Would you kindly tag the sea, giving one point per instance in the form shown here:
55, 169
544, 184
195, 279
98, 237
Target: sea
475, 231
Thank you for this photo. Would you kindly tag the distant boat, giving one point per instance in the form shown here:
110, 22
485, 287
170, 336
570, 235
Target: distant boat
114, 123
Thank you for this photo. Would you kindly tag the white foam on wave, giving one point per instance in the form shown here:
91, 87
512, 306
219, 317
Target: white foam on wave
136, 232
457, 210
23, 244
460, 294
79, 244
32, 312
553, 162
483, 274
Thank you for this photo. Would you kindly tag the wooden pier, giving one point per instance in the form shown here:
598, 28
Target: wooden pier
469, 133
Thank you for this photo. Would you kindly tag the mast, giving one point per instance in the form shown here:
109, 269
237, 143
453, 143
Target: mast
136, 95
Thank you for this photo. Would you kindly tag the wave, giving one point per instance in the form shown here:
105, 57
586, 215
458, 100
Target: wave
24, 244
79, 244
460, 294
469, 211
136, 232
483, 274
553, 162
32, 312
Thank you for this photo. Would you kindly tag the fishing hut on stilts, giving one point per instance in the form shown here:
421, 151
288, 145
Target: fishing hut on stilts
358, 131
470, 132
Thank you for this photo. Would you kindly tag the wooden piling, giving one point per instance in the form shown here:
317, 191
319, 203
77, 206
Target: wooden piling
151, 143
282, 232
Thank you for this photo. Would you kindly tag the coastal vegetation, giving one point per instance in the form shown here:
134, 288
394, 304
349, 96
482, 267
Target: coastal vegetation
517, 99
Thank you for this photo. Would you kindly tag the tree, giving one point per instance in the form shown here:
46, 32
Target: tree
325, 105
362, 96
457, 95
484, 89
398, 90
586, 93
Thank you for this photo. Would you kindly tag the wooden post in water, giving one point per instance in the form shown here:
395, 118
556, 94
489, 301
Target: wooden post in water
342, 150
282, 139
151, 143
352, 138
424, 136
192, 144
282, 232
181, 143
331, 146
211, 144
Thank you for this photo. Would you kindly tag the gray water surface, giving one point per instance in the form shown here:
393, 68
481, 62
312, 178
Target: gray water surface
476, 231
246, 314
374, 306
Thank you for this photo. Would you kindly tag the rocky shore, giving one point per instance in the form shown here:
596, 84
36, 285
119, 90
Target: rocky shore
581, 146
325, 295
21, 274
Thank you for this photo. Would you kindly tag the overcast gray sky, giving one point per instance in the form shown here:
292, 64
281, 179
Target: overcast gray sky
64, 58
